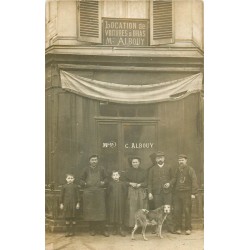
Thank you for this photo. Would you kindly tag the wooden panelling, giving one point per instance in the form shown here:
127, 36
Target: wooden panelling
70, 133
179, 133
47, 137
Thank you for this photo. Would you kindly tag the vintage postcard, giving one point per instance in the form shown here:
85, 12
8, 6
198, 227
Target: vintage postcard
124, 107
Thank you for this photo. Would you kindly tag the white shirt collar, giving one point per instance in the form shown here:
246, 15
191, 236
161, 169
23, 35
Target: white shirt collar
161, 165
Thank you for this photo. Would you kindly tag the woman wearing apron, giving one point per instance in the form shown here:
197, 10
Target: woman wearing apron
136, 177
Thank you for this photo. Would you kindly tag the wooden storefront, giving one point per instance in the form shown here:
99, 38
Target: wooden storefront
127, 43
77, 127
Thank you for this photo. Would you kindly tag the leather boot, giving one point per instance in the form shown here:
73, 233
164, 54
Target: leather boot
92, 231
72, 230
121, 232
114, 230
105, 231
67, 230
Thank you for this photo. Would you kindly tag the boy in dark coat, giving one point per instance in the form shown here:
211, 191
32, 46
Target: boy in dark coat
69, 202
117, 195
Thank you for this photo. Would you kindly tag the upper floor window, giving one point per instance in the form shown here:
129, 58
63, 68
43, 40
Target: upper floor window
130, 21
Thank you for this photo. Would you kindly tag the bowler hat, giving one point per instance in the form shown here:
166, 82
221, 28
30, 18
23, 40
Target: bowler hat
181, 156
159, 153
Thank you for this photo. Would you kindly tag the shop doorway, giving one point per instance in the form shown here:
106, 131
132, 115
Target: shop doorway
119, 139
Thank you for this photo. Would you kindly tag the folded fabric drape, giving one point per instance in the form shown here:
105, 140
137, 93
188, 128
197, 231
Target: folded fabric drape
131, 94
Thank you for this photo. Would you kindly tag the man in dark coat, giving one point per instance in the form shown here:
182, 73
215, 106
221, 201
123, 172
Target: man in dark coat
94, 180
160, 183
185, 189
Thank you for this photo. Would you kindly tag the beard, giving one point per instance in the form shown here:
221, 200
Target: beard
182, 164
160, 162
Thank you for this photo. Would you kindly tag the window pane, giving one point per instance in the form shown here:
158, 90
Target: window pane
108, 109
146, 111
127, 110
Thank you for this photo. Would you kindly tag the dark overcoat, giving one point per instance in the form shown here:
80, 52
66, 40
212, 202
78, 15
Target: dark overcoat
157, 177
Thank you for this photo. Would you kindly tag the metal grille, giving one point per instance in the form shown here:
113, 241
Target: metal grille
89, 18
162, 19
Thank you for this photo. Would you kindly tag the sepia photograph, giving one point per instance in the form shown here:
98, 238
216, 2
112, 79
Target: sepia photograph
107, 141
124, 124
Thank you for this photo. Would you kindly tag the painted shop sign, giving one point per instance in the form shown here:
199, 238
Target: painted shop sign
137, 145
111, 144
125, 32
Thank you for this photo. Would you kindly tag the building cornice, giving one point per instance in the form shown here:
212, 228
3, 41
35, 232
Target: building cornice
129, 68
176, 52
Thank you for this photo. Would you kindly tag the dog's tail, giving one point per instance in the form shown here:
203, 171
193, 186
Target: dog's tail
145, 211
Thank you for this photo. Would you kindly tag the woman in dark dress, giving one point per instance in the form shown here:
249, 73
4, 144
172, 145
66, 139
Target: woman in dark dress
69, 202
136, 178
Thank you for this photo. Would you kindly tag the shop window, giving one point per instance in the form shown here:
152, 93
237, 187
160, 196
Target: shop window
108, 109
146, 110
122, 110
126, 110
158, 12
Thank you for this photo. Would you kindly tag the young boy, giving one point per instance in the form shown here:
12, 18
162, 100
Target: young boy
117, 195
70, 201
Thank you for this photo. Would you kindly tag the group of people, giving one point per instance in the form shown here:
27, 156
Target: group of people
113, 198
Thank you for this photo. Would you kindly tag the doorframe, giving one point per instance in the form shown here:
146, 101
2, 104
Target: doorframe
120, 121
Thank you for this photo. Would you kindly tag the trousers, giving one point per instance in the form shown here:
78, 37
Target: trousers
182, 204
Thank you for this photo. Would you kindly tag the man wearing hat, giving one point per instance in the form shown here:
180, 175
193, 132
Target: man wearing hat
93, 180
160, 182
185, 189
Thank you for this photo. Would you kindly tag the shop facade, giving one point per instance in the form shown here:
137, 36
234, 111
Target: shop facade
123, 78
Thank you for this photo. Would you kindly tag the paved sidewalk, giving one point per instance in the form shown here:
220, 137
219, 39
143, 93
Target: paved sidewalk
83, 241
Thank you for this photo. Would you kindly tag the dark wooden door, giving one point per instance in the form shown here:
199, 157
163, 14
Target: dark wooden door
120, 139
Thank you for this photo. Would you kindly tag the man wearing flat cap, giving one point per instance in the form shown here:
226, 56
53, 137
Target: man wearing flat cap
185, 189
160, 182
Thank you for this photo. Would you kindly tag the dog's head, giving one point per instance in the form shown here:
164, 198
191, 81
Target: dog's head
167, 209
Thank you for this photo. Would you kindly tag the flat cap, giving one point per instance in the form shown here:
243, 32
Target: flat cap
94, 156
181, 156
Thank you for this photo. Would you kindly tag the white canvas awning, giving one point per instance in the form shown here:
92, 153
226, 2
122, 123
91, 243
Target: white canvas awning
131, 94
